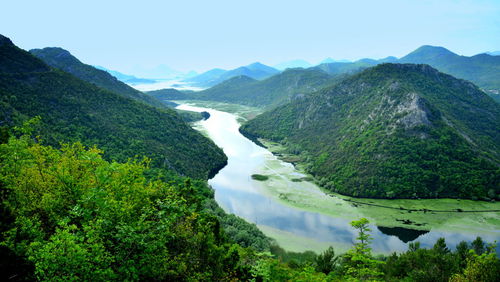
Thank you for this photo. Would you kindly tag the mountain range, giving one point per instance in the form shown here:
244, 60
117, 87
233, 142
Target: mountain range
216, 76
393, 131
482, 69
293, 64
126, 78
72, 109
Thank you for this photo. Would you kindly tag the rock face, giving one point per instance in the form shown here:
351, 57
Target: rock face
394, 131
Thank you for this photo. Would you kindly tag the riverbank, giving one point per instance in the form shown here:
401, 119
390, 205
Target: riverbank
422, 214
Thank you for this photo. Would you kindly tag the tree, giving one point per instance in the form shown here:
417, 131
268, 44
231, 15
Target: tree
358, 262
485, 267
326, 261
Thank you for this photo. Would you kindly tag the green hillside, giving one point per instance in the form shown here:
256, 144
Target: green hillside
63, 60
75, 110
394, 131
276, 90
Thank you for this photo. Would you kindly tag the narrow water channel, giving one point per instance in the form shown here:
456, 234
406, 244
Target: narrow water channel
294, 229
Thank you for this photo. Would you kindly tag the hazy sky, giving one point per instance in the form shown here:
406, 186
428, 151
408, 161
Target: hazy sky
200, 35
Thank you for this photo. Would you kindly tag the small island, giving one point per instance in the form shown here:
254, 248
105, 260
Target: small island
260, 177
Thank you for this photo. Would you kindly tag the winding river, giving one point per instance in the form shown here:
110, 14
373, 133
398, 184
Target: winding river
294, 228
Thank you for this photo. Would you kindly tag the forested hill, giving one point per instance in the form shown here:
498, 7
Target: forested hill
74, 110
270, 92
394, 131
62, 59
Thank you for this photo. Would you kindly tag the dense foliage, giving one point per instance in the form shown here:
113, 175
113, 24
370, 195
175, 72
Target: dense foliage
63, 60
276, 90
74, 110
72, 215
68, 214
394, 131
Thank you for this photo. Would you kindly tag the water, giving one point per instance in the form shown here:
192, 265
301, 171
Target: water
237, 193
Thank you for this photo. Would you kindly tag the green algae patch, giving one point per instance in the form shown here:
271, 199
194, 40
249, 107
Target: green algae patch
296, 243
260, 177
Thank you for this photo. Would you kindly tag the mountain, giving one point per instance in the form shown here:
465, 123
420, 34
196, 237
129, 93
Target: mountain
126, 78
346, 68
494, 53
330, 60
394, 131
293, 64
74, 110
216, 76
207, 77
63, 60
482, 69
275, 90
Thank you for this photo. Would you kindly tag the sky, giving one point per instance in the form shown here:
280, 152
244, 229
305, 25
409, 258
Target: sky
200, 35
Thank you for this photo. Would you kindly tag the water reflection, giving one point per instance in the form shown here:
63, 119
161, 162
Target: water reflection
237, 193
404, 234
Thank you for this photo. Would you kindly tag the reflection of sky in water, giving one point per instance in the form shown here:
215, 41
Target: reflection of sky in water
236, 193
162, 84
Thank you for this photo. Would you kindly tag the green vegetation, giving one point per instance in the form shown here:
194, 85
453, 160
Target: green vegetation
68, 214
260, 177
407, 213
469, 262
63, 60
189, 116
393, 131
74, 110
276, 90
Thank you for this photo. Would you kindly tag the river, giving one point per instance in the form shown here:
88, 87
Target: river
293, 227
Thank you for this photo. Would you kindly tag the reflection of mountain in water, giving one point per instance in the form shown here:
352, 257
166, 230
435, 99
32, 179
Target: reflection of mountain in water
404, 234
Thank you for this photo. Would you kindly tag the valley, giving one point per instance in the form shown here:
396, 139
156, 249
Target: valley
300, 216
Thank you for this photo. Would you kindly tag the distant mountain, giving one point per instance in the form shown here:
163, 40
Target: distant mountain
394, 131
207, 77
126, 78
482, 69
330, 60
346, 68
72, 109
63, 60
293, 64
494, 53
275, 90
157, 72
216, 76
390, 59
